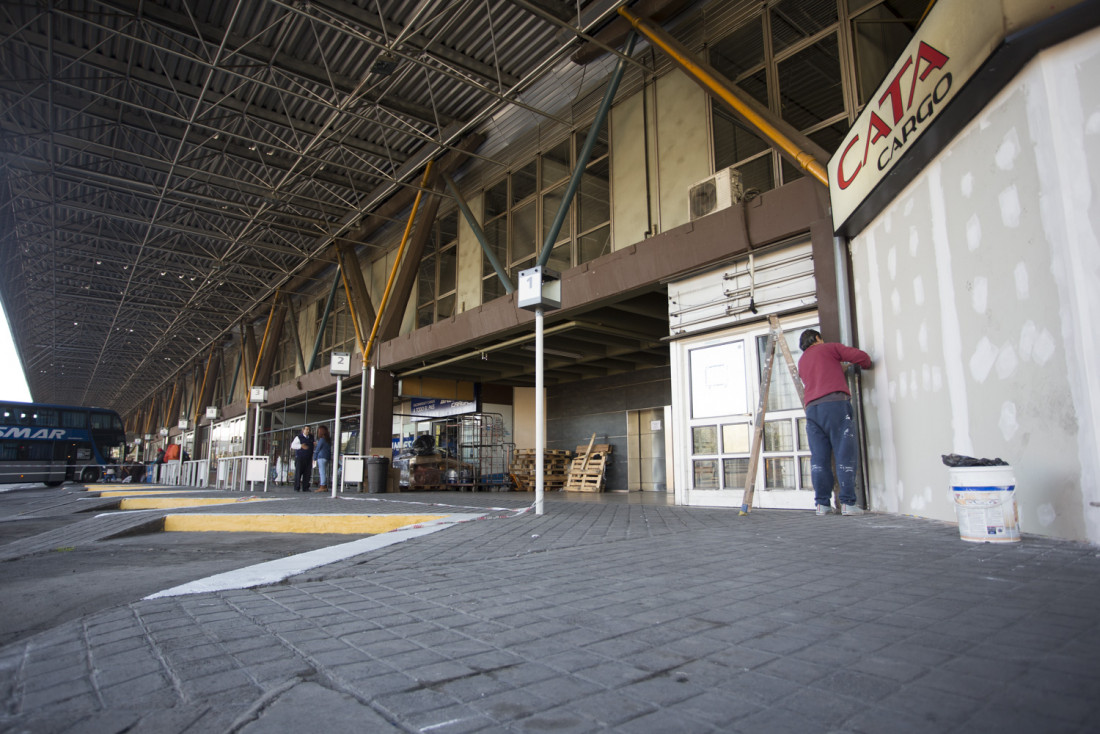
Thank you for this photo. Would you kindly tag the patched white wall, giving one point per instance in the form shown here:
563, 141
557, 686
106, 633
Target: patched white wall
468, 285
976, 294
628, 172
683, 145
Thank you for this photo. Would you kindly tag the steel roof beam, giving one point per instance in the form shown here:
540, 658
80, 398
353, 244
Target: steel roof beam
272, 61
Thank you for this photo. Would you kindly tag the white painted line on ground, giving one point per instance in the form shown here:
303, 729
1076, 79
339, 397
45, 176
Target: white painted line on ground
275, 571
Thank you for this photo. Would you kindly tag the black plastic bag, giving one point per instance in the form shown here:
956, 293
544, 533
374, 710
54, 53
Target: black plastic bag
960, 460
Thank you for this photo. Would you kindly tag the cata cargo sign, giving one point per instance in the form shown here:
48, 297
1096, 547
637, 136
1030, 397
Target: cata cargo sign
948, 49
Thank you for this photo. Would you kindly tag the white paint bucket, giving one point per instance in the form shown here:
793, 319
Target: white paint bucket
985, 503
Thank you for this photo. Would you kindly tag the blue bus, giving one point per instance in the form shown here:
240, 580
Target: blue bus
55, 443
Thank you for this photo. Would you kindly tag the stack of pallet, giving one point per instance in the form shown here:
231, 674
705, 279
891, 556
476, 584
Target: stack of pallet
555, 466
588, 471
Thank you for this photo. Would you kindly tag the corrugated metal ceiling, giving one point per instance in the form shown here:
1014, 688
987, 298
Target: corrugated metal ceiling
167, 166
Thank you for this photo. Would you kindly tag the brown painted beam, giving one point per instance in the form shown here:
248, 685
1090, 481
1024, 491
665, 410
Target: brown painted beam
356, 289
410, 268
271, 345
381, 216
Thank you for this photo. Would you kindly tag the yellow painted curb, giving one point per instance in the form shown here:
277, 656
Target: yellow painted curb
346, 524
160, 503
147, 492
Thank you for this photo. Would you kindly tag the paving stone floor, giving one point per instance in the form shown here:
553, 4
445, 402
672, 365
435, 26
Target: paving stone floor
603, 614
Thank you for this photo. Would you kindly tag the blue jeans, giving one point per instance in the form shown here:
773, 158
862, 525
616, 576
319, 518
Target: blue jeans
832, 435
322, 471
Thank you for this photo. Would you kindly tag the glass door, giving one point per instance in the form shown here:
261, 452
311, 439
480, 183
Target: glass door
718, 414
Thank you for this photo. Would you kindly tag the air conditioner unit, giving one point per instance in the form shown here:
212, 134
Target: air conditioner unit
716, 192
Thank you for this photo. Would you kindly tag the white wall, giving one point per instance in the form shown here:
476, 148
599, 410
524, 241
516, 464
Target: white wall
468, 285
683, 145
976, 294
523, 416
628, 173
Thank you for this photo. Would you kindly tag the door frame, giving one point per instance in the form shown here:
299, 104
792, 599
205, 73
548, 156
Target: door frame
801, 497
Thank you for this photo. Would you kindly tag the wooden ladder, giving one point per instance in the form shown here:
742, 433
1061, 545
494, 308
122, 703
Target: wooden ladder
775, 336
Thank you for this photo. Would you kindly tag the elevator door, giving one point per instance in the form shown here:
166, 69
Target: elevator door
646, 447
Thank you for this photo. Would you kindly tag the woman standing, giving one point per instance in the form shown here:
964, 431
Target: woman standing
322, 455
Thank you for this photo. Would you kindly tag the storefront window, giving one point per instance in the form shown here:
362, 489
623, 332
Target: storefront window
229, 438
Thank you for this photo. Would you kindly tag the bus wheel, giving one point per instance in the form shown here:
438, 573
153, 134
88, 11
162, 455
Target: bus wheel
89, 475
52, 484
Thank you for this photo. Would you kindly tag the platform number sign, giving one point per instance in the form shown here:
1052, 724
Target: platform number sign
341, 364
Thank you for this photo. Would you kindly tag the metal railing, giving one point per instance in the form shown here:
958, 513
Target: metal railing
169, 472
195, 473
242, 473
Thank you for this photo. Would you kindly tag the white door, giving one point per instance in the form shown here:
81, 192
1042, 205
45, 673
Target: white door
720, 380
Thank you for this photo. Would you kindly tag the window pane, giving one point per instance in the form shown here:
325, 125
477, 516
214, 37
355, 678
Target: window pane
794, 20
445, 309
736, 471
448, 264
757, 175
425, 315
594, 244
733, 141
827, 137
706, 473
779, 473
704, 440
594, 198
806, 480
735, 438
778, 435
561, 258
425, 281
551, 202
782, 395
524, 182
523, 232
498, 243
803, 440
740, 51
809, 85
718, 380
555, 164
879, 36
496, 199
757, 86
71, 419
491, 289
448, 228
599, 149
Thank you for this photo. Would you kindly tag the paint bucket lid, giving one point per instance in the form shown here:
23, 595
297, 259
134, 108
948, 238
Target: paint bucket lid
993, 477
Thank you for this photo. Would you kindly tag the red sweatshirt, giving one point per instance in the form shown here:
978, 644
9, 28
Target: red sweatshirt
821, 371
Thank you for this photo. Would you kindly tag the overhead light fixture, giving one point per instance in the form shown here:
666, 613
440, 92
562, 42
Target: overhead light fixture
385, 64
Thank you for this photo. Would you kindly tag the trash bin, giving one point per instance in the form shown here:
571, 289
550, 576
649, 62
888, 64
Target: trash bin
378, 471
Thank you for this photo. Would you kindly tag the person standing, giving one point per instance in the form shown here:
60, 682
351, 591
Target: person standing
303, 460
322, 455
829, 425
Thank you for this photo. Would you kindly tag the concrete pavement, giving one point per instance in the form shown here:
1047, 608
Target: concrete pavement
607, 613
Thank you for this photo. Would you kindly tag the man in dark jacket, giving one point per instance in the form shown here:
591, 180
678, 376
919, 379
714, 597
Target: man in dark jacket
829, 425
303, 461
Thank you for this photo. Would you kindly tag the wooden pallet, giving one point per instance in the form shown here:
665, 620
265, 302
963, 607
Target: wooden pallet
555, 469
587, 473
